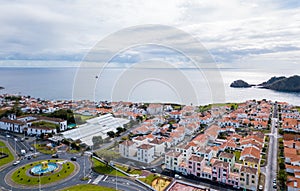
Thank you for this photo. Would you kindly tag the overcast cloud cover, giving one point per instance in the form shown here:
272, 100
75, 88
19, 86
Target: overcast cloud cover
235, 32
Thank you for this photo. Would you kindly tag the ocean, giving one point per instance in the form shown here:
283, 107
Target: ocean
186, 86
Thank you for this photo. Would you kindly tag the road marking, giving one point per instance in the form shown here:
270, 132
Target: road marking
98, 179
105, 178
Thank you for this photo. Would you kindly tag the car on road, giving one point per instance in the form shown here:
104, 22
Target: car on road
73, 159
22, 139
177, 176
16, 163
23, 152
29, 157
153, 170
260, 187
143, 168
31, 149
274, 180
7, 136
55, 156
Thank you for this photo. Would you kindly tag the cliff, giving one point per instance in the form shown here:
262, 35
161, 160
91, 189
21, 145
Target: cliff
291, 84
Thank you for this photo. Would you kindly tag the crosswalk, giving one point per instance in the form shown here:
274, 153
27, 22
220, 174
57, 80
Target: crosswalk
99, 178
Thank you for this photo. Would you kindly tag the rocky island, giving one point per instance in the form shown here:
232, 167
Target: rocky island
1, 88
284, 84
240, 84
290, 84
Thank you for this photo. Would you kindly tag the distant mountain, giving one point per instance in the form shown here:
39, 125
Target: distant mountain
290, 84
240, 84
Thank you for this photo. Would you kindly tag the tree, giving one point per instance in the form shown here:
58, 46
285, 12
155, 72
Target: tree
97, 140
120, 130
63, 114
111, 134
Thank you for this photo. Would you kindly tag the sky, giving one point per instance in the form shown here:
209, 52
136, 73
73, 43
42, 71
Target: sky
237, 33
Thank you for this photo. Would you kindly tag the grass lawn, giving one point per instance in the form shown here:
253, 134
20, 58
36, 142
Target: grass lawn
2, 144
20, 176
73, 151
5, 150
88, 187
149, 179
102, 168
131, 171
83, 118
43, 149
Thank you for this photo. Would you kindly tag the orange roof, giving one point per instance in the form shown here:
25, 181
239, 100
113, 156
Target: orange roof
251, 151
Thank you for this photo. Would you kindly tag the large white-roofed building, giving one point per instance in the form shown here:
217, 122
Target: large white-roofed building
98, 126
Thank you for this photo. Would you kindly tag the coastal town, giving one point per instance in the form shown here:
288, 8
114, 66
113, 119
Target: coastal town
252, 145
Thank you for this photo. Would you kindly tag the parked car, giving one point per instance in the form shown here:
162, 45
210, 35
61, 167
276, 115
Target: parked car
153, 170
73, 159
260, 187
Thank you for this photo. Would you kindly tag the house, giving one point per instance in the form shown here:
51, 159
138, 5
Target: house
227, 157
159, 146
127, 149
145, 153
293, 183
291, 155
185, 149
252, 162
248, 178
250, 152
195, 164
173, 159
220, 170
29, 124
206, 153
155, 109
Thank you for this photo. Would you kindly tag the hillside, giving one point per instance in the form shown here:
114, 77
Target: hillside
291, 84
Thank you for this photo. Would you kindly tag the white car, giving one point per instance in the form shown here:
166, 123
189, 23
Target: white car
16, 163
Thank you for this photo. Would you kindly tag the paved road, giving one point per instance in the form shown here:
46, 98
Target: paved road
116, 182
85, 169
271, 167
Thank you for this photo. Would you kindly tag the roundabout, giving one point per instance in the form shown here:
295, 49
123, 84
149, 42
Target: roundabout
42, 173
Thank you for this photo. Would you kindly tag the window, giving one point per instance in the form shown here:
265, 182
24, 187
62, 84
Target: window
246, 163
252, 181
253, 176
255, 165
190, 162
242, 174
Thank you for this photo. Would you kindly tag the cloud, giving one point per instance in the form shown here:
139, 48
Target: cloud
230, 30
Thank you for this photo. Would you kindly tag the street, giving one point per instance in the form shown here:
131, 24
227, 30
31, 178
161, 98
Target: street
271, 167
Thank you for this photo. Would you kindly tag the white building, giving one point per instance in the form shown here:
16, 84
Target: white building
24, 124
127, 149
145, 153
